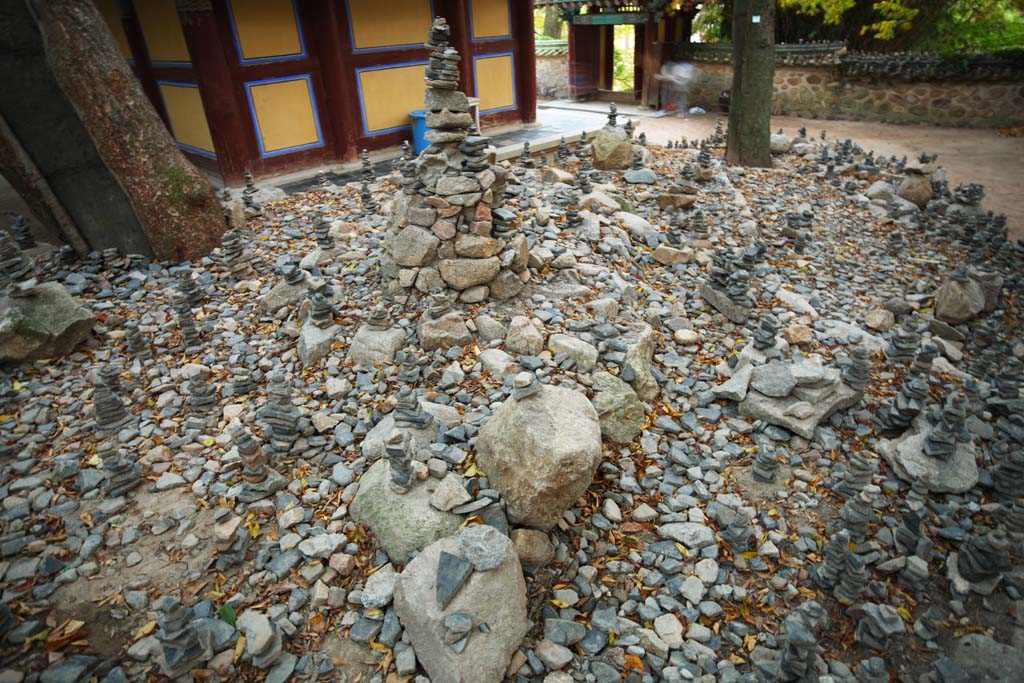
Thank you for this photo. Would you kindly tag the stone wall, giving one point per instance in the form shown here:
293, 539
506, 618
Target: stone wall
818, 92
824, 81
553, 77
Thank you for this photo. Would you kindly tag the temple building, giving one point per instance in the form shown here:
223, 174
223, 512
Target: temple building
659, 27
273, 86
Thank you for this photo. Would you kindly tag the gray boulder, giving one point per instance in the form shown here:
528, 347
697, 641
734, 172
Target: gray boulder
315, 342
612, 149
958, 302
584, 354
283, 294
371, 346
804, 409
733, 311
373, 443
639, 338
541, 453
986, 660
443, 333
403, 523
620, 411
44, 322
414, 247
495, 598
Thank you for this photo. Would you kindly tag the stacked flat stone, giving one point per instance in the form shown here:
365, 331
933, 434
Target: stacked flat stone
613, 115
1008, 474
121, 471
898, 414
324, 237
110, 375
110, 258
408, 413
914, 574
985, 556
186, 321
859, 513
722, 266
242, 383
399, 451
908, 534
642, 139
525, 159
628, 129
379, 320
738, 288
321, 310
924, 358
367, 168
109, 410
1006, 384
799, 648
447, 224
941, 441
766, 464
704, 160
969, 194
572, 210
800, 242
137, 342
279, 414
852, 580
14, 265
859, 470
202, 395
525, 385
440, 304
188, 286
232, 548
878, 625
903, 346
235, 256
798, 223
562, 152
858, 371
697, 227
766, 332
836, 555
740, 536
181, 650
928, 626
583, 183
259, 480
249, 193
23, 233
366, 200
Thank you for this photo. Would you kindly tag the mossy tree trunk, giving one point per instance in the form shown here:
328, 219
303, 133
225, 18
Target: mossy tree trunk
174, 203
552, 23
753, 63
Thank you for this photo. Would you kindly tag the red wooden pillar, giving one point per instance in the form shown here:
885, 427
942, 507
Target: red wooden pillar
217, 89
331, 29
649, 95
526, 68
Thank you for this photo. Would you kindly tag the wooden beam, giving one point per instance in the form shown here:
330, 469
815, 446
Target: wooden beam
330, 29
526, 68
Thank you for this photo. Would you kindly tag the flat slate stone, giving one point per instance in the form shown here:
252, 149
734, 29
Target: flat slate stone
452, 574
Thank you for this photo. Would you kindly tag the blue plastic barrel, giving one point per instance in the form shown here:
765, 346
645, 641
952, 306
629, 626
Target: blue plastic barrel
419, 130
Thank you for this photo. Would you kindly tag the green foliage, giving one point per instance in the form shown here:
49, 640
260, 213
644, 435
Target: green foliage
831, 10
623, 69
227, 614
969, 26
708, 22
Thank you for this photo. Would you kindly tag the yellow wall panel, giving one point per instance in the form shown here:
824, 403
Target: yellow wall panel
388, 95
284, 114
112, 16
490, 19
162, 30
495, 84
188, 118
266, 28
383, 24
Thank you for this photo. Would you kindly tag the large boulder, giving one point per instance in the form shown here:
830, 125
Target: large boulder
985, 659
582, 353
414, 247
620, 411
315, 342
494, 600
805, 408
443, 333
916, 188
612, 149
43, 322
908, 460
371, 346
541, 453
403, 523
636, 370
283, 294
463, 273
957, 301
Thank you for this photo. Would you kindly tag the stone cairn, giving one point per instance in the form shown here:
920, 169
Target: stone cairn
984, 557
858, 371
859, 469
451, 193
878, 625
235, 256
399, 451
727, 288
186, 320
948, 430
121, 471
14, 265
231, 538
408, 413
249, 193
22, 233
188, 286
898, 414
137, 342
766, 464
322, 232
110, 411
836, 554
280, 416
181, 650
799, 642
259, 480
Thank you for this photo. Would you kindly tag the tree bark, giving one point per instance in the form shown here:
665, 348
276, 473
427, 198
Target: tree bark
174, 203
753, 62
23, 175
552, 23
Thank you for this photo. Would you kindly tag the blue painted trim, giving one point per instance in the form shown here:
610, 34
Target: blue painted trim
170, 123
362, 105
264, 154
515, 103
382, 48
172, 65
490, 39
267, 60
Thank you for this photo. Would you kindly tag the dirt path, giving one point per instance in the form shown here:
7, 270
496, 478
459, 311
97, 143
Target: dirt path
968, 154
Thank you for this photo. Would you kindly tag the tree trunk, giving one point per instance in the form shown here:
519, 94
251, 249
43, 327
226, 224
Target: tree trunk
175, 205
753, 64
552, 23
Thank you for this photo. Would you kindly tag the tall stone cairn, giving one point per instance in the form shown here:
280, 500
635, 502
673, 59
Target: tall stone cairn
441, 225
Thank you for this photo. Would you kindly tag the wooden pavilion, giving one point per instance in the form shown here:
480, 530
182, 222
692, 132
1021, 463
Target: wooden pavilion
659, 26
